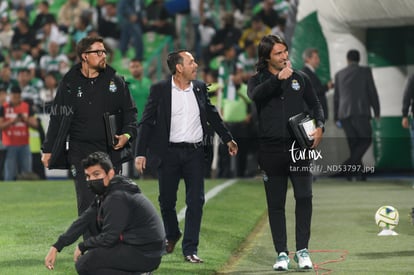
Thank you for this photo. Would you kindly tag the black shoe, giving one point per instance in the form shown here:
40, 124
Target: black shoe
170, 244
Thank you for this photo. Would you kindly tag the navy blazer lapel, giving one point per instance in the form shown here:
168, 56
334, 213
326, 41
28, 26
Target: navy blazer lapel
167, 104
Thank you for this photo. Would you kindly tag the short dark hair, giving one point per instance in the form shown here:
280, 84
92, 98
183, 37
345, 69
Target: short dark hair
98, 158
173, 59
353, 55
15, 89
86, 43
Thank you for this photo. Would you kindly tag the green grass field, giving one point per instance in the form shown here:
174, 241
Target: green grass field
33, 214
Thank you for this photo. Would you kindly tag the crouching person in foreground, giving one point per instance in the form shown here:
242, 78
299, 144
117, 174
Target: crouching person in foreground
129, 235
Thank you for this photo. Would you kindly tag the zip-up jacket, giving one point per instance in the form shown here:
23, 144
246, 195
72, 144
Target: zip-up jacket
122, 214
278, 100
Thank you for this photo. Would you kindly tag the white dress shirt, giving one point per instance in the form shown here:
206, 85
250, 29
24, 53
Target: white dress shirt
185, 116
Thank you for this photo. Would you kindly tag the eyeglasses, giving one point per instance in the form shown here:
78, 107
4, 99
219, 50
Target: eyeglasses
98, 52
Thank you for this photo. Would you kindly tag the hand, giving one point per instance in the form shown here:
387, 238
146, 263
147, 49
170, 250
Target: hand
122, 140
51, 258
317, 137
140, 164
45, 159
405, 123
330, 84
76, 254
233, 148
286, 72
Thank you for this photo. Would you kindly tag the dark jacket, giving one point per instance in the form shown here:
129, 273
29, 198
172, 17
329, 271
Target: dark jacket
278, 100
408, 99
355, 93
86, 100
320, 89
122, 214
154, 127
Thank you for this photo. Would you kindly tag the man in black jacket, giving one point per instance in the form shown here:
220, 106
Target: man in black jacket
131, 235
87, 92
174, 129
281, 92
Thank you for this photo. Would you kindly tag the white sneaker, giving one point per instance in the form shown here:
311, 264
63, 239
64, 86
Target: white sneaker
282, 262
303, 259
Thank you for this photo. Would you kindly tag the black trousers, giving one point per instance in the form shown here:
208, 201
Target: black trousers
358, 132
278, 167
187, 163
118, 260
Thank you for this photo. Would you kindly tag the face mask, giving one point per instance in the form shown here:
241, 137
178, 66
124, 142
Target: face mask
97, 186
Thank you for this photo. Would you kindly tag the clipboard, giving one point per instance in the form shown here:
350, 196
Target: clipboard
111, 128
302, 125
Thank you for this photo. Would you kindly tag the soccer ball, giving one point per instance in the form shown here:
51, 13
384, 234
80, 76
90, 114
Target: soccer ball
387, 217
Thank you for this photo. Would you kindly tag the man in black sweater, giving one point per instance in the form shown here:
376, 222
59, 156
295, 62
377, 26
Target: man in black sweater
131, 235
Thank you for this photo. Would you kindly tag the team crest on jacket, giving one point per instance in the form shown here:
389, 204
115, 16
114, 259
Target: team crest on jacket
295, 85
112, 86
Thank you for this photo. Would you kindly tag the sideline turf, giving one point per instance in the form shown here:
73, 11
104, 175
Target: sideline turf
343, 226
33, 214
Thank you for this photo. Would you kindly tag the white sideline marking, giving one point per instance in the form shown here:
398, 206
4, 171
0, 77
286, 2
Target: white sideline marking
210, 194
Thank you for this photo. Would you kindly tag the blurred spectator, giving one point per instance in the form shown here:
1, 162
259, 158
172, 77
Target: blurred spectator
3, 99
16, 116
23, 5
29, 92
282, 7
83, 25
207, 31
227, 72
48, 92
24, 36
4, 8
54, 61
228, 35
6, 80
255, 32
268, 14
158, 19
50, 32
6, 32
139, 86
235, 112
131, 14
19, 59
108, 24
246, 61
280, 27
69, 12
43, 14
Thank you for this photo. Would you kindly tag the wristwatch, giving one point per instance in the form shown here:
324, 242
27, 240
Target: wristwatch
320, 124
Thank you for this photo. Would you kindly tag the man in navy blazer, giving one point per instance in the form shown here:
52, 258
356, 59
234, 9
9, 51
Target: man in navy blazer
173, 130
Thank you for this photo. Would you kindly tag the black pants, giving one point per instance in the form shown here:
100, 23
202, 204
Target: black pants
358, 132
186, 163
278, 167
117, 260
